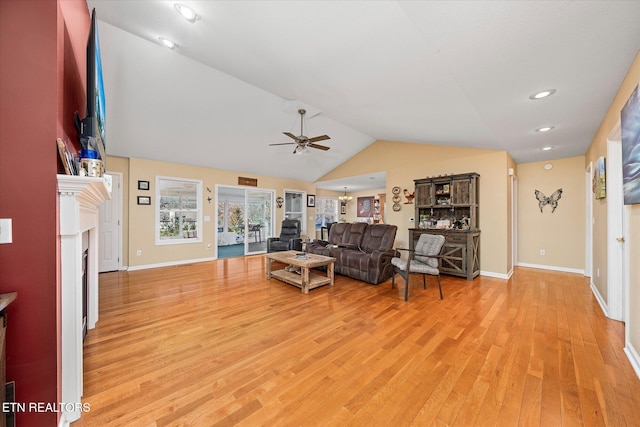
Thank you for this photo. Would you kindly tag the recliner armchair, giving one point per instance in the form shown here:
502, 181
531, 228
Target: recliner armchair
289, 237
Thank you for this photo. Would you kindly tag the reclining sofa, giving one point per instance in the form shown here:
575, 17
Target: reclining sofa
362, 251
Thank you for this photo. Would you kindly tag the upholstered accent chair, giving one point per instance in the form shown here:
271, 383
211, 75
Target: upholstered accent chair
289, 237
422, 260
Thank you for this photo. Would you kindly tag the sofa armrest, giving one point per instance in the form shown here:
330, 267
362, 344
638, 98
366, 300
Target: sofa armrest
382, 257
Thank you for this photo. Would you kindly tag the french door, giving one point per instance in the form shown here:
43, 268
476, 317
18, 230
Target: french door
244, 219
258, 220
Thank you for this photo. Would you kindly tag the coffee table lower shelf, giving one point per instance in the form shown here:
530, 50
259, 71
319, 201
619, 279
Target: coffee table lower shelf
295, 279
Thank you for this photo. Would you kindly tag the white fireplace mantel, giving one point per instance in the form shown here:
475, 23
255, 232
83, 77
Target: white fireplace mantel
79, 200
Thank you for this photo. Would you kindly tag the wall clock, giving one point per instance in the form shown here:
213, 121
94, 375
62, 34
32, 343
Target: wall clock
396, 207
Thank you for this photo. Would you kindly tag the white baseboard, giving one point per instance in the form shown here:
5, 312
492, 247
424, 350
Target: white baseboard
601, 301
634, 358
552, 267
169, 264
496, 275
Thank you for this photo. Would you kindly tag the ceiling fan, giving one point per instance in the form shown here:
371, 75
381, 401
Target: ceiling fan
302, 142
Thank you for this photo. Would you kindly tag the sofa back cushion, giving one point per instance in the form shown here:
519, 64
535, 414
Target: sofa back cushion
339, 233
378, 237
355, 234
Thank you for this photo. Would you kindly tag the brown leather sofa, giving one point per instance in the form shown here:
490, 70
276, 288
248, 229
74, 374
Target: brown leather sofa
362, 251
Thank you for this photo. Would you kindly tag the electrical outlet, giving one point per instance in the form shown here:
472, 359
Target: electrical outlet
598, 271
139, 252
543, 252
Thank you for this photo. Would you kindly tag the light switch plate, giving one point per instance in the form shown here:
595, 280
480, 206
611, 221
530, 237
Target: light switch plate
6, 233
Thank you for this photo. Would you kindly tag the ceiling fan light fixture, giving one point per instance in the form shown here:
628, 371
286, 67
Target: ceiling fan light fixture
186, 12
542, 94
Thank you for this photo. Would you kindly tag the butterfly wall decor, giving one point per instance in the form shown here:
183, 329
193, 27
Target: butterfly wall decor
552, 200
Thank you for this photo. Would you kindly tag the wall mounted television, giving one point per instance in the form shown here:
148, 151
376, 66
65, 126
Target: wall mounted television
630, 124
92, 128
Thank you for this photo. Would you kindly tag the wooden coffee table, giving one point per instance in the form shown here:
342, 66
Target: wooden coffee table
303, 279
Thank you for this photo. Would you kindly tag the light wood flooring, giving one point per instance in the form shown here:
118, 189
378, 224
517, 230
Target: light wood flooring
216, 344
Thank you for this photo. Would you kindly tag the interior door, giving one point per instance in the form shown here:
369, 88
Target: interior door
258, 223
110, 213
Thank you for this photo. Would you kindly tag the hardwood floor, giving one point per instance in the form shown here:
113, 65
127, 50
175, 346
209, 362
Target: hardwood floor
215, 344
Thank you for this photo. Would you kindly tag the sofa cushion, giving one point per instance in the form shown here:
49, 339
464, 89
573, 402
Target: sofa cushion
339, 233
378, 237
355, 234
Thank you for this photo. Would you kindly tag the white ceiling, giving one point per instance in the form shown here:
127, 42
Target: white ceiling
437, 72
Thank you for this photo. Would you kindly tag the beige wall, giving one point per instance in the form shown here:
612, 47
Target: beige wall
512, 173
140, 219
599, 148
404, 162
352, 211
561, 233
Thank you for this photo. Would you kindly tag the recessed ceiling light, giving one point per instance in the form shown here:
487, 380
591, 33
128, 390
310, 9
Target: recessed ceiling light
168, 43
545, 129
547, 148
543, 94
186, 12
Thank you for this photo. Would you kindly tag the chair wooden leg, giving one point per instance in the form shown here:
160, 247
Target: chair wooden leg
393, 279
439, 286
406, 288
424, 281
405, 276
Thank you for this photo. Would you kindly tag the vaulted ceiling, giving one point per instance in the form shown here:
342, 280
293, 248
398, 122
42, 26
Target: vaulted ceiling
438, 72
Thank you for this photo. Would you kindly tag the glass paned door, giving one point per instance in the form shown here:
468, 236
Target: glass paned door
258, 220
295, 207
231, 213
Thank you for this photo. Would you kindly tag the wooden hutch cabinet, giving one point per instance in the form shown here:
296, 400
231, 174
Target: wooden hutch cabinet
448, 205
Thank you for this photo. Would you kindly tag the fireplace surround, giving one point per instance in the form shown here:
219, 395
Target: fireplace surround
79, 198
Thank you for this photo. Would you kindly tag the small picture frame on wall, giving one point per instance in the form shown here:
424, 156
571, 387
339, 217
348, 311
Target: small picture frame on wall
143, 185
144, 200
311, 200
343, 209
599, 179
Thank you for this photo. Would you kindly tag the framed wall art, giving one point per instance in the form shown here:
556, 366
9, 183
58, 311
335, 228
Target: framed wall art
599, 179
365, 206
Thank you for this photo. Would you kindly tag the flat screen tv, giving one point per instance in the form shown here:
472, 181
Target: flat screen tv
92, 127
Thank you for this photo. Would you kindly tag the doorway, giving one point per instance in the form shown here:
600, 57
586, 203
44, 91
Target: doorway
110, 229
617, 223
244, 220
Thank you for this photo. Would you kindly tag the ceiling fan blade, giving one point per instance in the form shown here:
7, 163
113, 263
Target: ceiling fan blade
319, 147
319, 138
290, 135
284, 143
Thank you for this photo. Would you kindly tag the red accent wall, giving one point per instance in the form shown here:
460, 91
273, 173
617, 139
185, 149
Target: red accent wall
40, 88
